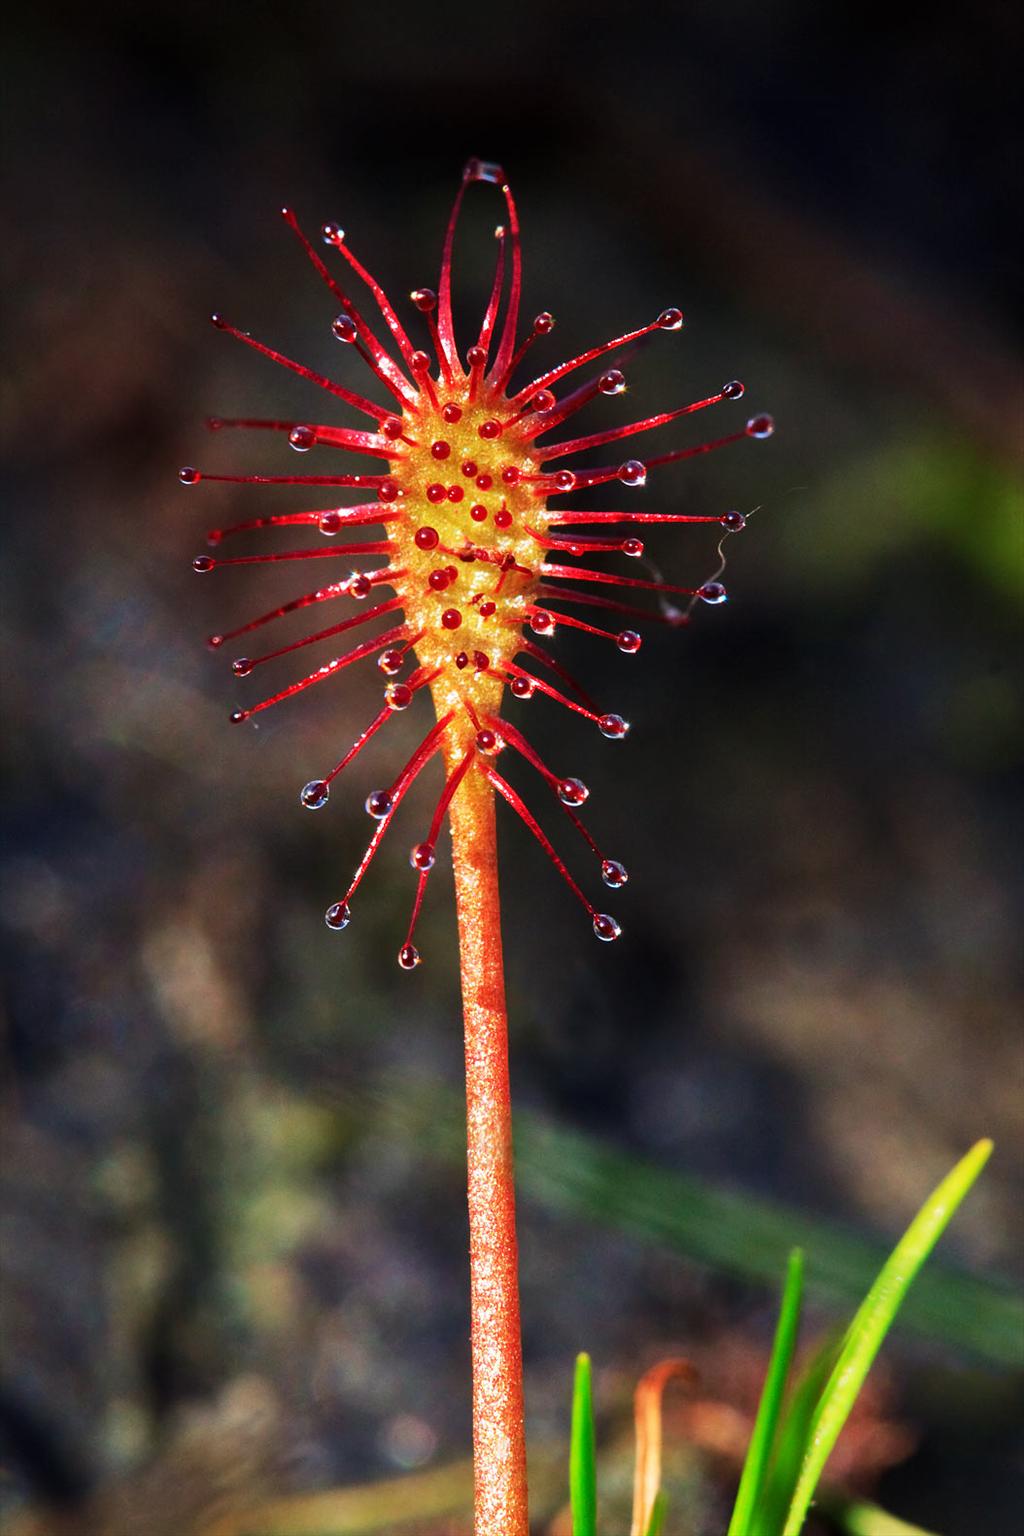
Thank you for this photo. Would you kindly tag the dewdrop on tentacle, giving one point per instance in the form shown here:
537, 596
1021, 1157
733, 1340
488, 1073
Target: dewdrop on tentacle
478, 560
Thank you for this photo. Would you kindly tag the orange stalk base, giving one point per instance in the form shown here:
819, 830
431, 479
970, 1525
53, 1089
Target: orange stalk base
499, 1445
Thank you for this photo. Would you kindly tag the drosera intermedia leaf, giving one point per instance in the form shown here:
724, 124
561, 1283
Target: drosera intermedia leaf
871, 1323
582, 1461
762, 1441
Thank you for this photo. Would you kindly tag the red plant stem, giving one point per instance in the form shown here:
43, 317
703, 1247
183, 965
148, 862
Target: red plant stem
499, 1446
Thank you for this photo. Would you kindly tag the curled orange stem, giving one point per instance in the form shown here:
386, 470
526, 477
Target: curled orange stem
499, 1447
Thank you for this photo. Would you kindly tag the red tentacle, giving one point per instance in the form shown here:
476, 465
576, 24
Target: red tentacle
422, 857
506, 347
526, 816
383, 366
328, 669
359, 402
615, 434
245, 665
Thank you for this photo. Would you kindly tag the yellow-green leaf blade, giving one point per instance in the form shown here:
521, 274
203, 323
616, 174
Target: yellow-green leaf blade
871, 1323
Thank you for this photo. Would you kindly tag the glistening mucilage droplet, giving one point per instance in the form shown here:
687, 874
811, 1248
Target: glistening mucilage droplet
315, 794
606, 927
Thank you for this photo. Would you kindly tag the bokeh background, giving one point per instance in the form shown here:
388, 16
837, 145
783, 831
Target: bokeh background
234, 1258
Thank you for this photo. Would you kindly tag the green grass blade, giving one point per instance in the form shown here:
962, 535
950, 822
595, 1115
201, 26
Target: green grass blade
858, 1517
791, 1442
871, 1323
582, 1458
730, 1230
657, 1519
752, 1236
762, 1440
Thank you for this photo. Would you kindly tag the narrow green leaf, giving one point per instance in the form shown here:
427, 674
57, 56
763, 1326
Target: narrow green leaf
657, 1519
791, 1440
732, 1231
763, 1438
582, 1459
859, 1517
870, 1325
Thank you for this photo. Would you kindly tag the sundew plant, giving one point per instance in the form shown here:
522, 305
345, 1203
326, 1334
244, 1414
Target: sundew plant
482, 550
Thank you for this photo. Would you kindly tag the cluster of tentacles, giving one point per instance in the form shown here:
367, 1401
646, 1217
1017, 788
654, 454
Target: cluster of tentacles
477, 558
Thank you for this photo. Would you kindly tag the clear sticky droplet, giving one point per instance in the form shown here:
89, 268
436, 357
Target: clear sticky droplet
613, 726
670, 319
760, 427
398, 696
391, 660
565, 480
189, 475
613, 873
606, 927
542, 623
628, 641
572, 791
633, 547
523, 687
543, 400
422, 857
344, 329
330, 523
378, 803
202, 564
241, 666
488, 742
612, 382
734, 390
543, 324
409, 957
713, 592
359, 586
331, 232
338, 916
315, 795
632, 472
425, 299
733, 521
302, 439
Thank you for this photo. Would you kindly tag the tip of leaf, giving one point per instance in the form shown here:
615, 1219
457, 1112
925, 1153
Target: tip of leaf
582, 1455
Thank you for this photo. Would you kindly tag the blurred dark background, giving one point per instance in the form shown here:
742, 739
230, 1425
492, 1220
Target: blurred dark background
234, 1232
